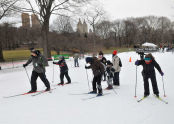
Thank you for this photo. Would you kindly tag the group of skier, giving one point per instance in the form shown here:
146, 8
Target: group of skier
101, 68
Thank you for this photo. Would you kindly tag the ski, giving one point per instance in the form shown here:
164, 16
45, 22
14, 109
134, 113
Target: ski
162, 100
50, 91
79, 93
21, 94
95, 97
141, 99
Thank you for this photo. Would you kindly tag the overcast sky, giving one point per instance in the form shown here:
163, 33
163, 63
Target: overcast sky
137, 8
121, 9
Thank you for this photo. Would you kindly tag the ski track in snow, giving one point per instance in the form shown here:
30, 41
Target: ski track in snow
62, 107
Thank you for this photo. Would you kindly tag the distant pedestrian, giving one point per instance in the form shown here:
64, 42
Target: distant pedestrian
76, 60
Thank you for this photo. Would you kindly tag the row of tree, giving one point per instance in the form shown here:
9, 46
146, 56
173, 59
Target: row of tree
137, 31
104, 33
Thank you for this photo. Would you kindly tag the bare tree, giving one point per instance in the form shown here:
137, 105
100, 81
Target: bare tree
94, 16
45, 8
103, 29
63, 24
7, 7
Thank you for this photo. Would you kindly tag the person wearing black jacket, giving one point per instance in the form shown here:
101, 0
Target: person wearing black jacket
103, 61
39, 63
149, 72
98, 70
63, 70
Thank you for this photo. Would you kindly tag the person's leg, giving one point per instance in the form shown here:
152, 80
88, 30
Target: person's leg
77, 63
114, 79
74, 62
67, 77
45, 80
99, 84
34, 77
146, 86
154, 84
94, 84
61, 78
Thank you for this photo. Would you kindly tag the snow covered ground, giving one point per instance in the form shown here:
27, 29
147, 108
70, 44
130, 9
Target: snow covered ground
68, 105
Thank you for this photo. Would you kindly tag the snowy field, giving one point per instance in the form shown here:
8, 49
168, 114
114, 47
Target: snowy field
68, 105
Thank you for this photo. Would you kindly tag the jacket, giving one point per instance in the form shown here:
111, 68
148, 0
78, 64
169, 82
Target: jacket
96, 66
148, 69
39, 62
116, 63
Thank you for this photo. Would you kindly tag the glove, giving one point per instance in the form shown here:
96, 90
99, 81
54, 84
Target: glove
54, 62
86, 67
162, 74
136, 62
24, 65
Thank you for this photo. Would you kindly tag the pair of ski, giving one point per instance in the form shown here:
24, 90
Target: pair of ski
96, 96
159, 98
32, 94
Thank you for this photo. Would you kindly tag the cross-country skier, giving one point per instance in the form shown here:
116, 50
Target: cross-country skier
149, 72
117, 66
98, 71
110, 74
39, 63
103, 60
63, 70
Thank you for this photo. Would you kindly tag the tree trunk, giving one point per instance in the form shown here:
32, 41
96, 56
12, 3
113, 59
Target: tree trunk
46, 46
1, 53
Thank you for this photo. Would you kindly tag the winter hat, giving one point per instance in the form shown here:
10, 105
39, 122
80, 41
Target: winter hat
37, 52
114, 52
100, 53
89, 59
61, 58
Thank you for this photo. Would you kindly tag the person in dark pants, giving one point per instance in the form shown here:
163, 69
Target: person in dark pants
149, 72
98, 71
117, 66
63, 70
39, 63
76, 60
103, 61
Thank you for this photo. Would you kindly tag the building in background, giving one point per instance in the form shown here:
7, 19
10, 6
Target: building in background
25, 20
82, 29
35, 21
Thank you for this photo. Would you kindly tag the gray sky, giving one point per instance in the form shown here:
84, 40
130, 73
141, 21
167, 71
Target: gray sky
121, 9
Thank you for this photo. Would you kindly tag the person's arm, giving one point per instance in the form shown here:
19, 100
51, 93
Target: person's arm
28, 62
139, 62
156, 65
120, 63
87, 67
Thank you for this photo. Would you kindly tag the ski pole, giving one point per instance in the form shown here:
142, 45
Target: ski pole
136, 84
53, 74
87, 79
27, 74
163, 87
